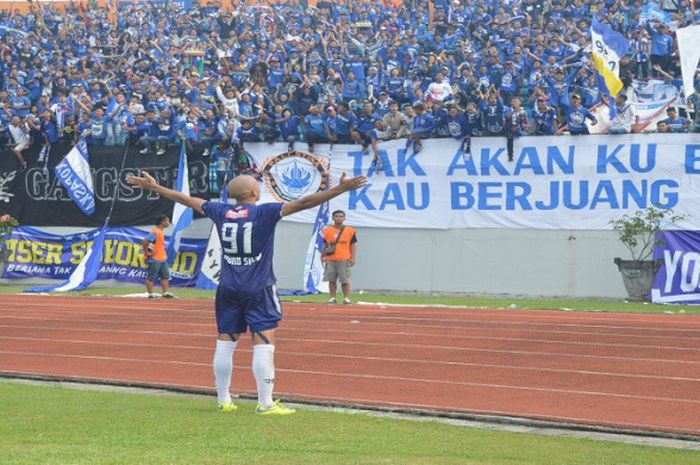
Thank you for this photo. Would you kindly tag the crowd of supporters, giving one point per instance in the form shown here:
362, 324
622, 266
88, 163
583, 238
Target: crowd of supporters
151, 74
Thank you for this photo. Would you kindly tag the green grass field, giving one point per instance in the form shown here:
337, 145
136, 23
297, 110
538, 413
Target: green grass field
417, 299
58, 425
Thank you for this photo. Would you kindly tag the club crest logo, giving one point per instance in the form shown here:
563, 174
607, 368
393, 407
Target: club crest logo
291, 175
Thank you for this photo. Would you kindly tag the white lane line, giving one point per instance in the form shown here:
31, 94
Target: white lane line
392, 345
290, 328
371, 377
388, 333
513, 319
292, 324
412, 361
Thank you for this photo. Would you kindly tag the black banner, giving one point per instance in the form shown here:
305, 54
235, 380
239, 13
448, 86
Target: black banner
36, 198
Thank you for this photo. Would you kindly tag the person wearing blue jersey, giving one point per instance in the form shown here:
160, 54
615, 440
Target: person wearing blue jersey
516, 124
661, 45
674, 122
49, 132
288, 126
422, 128
576, 117
344, 131
246, 296
315, 128
545, 118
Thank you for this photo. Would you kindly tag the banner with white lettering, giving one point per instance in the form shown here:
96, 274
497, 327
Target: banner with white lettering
37, 197
678, 279
556, 182
33, 253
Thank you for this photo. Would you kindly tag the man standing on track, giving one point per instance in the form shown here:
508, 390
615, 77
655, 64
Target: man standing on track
338, 264
156, 258
246, 295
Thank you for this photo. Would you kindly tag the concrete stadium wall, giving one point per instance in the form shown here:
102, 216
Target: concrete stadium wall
472, 261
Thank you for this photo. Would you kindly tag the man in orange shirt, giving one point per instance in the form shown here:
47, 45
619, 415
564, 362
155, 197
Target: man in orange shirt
337, 265
156, 258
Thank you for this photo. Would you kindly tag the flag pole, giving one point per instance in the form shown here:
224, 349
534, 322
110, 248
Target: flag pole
116, 187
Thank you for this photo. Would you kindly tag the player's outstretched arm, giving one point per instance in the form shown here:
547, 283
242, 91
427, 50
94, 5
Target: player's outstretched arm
313, 200
146, 181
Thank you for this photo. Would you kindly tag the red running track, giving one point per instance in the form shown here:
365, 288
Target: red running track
624, 371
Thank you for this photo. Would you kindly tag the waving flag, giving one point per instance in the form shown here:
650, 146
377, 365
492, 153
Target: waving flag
653, 12
689, 52
209, 272
182, 216
86, 271
313, 267
74, 173
607, 48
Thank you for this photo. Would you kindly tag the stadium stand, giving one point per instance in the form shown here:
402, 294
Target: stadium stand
219, 75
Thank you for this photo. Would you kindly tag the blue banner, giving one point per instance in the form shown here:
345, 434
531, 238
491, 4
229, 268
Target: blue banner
87, 270
313, 266
182, 215
33, 253
653, 12
74, 173
678, 279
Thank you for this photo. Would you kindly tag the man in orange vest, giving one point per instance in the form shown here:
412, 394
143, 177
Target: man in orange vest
341, 241
156, 258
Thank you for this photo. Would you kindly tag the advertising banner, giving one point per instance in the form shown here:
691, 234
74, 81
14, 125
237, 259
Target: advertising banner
678, 280
33, 253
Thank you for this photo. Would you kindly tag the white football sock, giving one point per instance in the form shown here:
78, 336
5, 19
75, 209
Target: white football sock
223, 368
264, 372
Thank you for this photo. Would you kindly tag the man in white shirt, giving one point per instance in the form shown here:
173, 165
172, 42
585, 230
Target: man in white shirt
439, 90
622, 122
20, 134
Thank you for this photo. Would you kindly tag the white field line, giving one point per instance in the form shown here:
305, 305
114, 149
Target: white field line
43, 321
289, 323
394, 313
412, 361
372, 377
515, 318
403, 346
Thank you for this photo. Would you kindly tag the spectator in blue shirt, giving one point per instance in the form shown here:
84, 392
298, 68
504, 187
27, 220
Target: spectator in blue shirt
345, 123
576, 117
288, 127
674, 122
661, 45
49, 131
423, 125
20, 103
545, 118
315, 128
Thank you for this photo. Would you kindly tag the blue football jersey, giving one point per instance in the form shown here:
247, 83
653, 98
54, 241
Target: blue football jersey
247, 234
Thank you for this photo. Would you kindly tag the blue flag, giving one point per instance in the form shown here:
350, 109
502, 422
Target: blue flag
86, 271
74, 173
182, 215
653, 12
313, 267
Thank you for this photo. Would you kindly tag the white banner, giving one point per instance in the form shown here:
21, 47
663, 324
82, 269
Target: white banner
558, 182
688, 39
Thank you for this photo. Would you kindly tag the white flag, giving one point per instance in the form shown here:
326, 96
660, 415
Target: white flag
689, 51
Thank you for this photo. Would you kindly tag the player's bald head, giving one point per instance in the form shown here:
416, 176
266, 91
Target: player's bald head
243, 187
